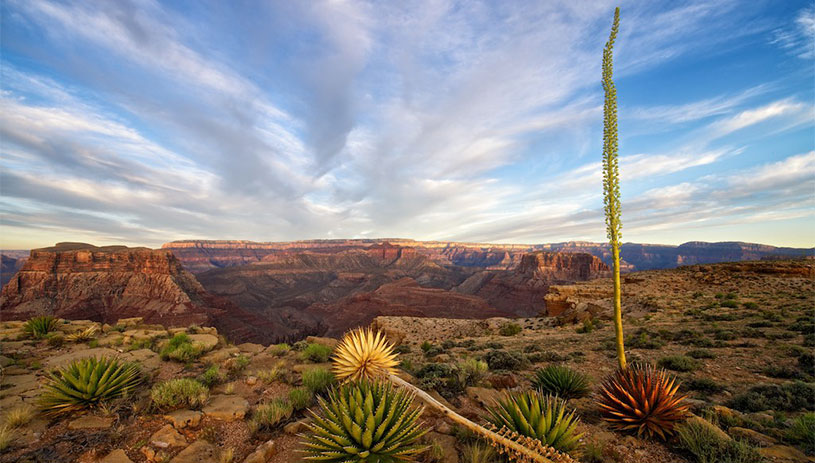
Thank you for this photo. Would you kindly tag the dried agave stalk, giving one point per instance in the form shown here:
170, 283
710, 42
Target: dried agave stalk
365, 354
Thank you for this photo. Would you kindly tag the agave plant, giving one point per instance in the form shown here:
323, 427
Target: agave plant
38, 327
642, 399
83, 335
86, 383
539, 416
365, 421
561, 381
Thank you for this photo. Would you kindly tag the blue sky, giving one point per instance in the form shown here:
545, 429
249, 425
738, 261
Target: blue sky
141, 122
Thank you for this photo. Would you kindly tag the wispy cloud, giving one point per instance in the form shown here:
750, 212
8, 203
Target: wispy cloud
798, 38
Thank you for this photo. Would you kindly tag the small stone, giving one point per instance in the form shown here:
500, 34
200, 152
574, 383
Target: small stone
116, 456
442, 427
167, 437
295, 427
227, 407
250, 348
91, 422
184, 418
753, 437
251, 380
262, 453
148, 453
199, 451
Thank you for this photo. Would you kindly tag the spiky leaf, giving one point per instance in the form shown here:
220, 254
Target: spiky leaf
539, 416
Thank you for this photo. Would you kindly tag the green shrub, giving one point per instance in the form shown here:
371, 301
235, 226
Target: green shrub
644, 339
401, 349
316, 353
426, 346
238, 364
704, 385
781, 371
538, 416
730, 304
179, 393
38, 327
318, 379
503, 360
750, 305
724, 335
181, 349
802, 432
561, 381
493, 345
87, 383
473, 371
701, 354
270, 414
788, 397
300, 398
478, 452
704, 442
587, 327
509, 329
279, 349
55, 340
678, 363
448, 344
211, 376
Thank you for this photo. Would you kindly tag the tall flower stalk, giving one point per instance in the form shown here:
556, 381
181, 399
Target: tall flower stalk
611, 179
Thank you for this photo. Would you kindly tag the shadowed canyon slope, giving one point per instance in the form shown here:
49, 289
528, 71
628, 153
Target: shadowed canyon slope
199, 255
82, 281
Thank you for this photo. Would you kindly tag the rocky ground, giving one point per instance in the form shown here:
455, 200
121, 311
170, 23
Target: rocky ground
729, 327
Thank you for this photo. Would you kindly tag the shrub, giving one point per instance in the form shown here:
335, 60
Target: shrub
270, 414
179, 393
238, 364
299, 346
269, 375
587, 327
802, 432
538, 416
703, 441
678, 363
806, 362
477, 452
788, 397
704, 385
279, 349
318, 379
643, 400
181, 349
503, 360
448, 344
86, 383
730, 304
426, 346
701, 354
56, 340
7, 436
493, 345
780, 371
18, 416
38, 327
365, 421
750, 305
433, 351
644, 339
473, 371
300, 398
211, 376
561, 381
509, 329
317, 353
401, 349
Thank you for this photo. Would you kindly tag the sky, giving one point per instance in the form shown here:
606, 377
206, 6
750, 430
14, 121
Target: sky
140, 122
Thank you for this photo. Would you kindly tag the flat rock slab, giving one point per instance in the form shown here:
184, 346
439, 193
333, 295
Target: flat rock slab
227, 407
783, 454
116, 456
20, 386
146, 358
199, 451
208, 341
483, 396
329, 342
755, 437
220, 355
250, 348
167, 437
91, 422
64, 359
184, 418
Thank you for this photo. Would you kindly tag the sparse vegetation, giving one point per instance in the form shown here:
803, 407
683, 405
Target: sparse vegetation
561, 381
270, 414
181, 349
279, 349
317, 353
473, 371
38, 327
802, 432
789, 397
178, 393
318, 379
86, 383
300, 398
509, 329
83, 335
678, 363
477, 452
706, 445
18, 416
211, 376
503, 360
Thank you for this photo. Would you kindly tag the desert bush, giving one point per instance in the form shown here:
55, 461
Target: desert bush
509, 329
317, 353
38, 327
18, 416
503, 360
802, 432
538, 416
270, 414
181, 349
179, 393
707, 446
750, 305
478, 452
270, 375
701, 354
401, 349
365, 421
561, 381
809, 340
806, 363
493, 345
7, 436
433, 351
785, 397
236, 365
448, 344
300, 398
426, 346
87, 383
55, 340
473, 371
318, 379
211, 376
724, 335
678, 363
703, 385
730, 304
467, 343
279, 350
587, 327
644, 339
782, 371
82, 335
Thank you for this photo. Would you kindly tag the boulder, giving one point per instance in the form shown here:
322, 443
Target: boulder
296, 427
783, 454
90, 422
226, 407
250, 348
483, 396
199, 451
181, 419
116, 456
207, 341
167, 437
754, 437
220, 355
262, 453
329, 342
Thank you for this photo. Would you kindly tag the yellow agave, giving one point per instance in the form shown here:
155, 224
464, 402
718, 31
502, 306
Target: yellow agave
364, 354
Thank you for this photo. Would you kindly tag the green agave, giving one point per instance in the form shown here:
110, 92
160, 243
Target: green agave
38, 327
561, 381
365, 421
87, 382
541, 417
